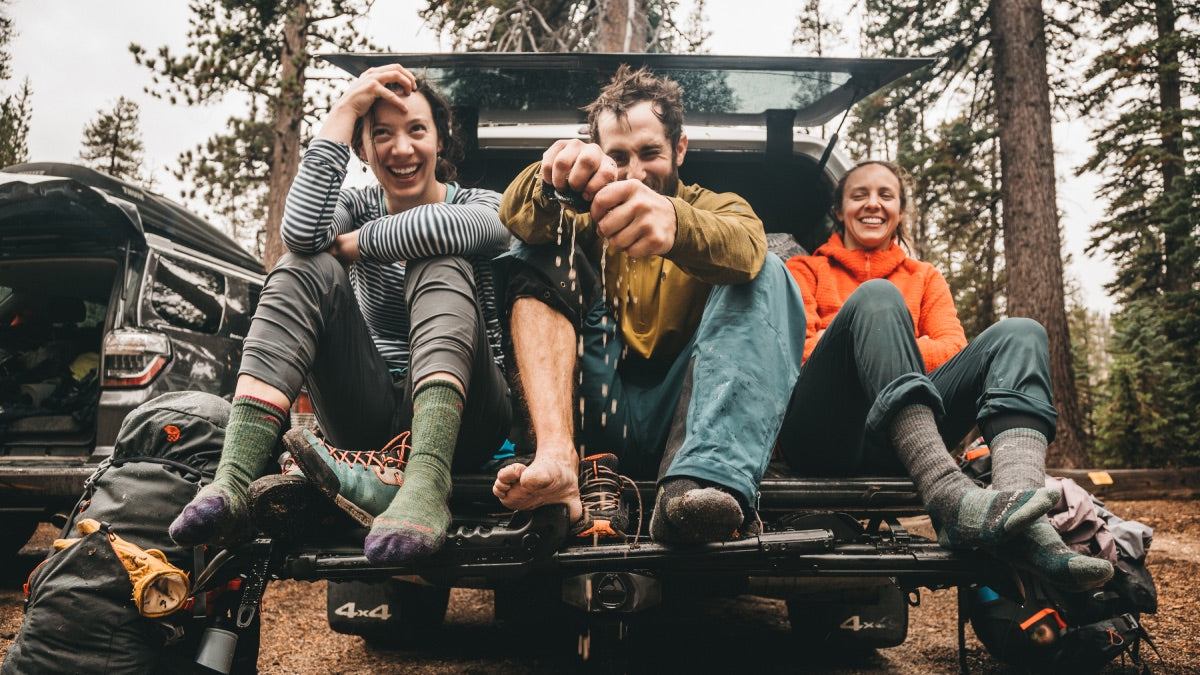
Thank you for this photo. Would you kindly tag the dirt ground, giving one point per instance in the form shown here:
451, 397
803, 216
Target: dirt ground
702, 636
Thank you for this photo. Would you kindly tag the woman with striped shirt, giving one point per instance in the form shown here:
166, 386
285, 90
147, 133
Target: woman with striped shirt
384, 306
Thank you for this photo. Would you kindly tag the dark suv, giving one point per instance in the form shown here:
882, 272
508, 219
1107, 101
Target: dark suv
109, 296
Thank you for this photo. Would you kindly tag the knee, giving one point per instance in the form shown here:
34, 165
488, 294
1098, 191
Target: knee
319, 271
1019, 332
876, 296
532, 281
452, 273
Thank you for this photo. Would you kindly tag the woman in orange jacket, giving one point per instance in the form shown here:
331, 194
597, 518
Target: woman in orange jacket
889, 381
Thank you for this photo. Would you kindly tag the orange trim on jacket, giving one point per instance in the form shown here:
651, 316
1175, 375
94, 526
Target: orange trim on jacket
833, 272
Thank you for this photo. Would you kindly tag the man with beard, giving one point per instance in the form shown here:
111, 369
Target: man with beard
662, 298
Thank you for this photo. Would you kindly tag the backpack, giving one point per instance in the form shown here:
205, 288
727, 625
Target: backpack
1064, 631
79, 614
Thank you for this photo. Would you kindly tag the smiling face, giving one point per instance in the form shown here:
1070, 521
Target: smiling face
402, 149
871, 208
638, 143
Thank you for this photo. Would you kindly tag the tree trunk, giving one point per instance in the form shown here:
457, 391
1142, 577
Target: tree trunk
289, 113
623, 26
1031, 236
1177, 276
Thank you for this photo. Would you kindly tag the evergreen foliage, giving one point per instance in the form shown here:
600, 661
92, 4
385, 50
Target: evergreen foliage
557, 25
1143, 151
1148, 417
1143, 85
16, 109
260, 51
112, 143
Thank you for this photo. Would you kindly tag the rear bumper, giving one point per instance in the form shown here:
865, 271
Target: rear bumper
23, 487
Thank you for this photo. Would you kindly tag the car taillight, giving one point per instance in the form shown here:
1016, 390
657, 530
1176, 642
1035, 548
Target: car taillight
134, 358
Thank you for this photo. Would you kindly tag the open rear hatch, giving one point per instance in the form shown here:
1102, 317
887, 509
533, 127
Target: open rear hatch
65, 245
750, 120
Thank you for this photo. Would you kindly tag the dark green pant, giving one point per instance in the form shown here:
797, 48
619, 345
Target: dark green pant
867, 367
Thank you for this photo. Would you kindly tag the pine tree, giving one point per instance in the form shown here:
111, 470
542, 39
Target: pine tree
260, 50
112, 143
16, 110
1147, 150
1143, 150
816, 32
563, 25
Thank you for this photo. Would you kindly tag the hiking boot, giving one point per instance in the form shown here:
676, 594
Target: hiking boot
361, 482
686, 512
605, 498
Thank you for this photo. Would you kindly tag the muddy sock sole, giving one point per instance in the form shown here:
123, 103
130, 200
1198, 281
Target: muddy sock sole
217, 515
687, 513
395, 538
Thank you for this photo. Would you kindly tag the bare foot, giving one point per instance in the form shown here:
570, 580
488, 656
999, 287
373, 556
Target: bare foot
549, 479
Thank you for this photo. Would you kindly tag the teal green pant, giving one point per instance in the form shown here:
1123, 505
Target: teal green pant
711, 413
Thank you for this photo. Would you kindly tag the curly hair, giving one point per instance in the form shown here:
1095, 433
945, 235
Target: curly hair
453, 147
630, 87
901, 177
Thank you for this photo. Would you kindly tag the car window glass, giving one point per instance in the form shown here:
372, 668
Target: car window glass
187, 295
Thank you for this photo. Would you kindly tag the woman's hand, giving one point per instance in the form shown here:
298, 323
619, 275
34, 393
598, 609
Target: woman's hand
345, 248
391, 83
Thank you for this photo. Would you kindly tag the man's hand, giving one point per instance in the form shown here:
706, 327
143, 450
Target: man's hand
635, 219
345, 248
582, 167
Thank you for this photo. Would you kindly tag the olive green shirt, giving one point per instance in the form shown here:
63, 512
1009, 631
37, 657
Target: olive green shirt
658, 300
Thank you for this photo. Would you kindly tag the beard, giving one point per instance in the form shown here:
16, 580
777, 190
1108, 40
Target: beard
667, 185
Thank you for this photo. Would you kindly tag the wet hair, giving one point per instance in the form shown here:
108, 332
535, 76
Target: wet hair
443, 120
901, 177
630, 87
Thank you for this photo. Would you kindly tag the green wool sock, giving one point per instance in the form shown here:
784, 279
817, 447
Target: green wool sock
1019, 462
964, 514
250, 439
414, 525
220, 512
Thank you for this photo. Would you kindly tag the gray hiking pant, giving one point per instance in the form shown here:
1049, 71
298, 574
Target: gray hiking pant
308, 328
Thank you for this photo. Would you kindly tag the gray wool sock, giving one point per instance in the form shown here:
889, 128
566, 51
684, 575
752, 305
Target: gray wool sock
1018, 459
1019, 462
964, 514
914, 434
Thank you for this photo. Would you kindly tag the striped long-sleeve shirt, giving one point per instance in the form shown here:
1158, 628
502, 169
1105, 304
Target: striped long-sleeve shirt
317, 211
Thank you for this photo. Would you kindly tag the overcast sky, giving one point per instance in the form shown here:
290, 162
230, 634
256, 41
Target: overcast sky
75, 53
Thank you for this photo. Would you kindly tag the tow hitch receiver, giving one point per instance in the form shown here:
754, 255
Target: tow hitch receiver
625, 592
